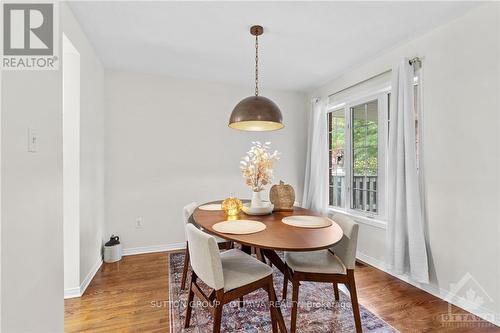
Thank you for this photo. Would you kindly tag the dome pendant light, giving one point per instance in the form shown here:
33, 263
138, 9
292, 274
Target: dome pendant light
256, 113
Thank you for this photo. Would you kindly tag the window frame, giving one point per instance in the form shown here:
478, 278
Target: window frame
378, 219
330, 111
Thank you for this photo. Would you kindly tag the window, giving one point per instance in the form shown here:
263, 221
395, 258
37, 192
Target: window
357, 149
358, 128
364, 135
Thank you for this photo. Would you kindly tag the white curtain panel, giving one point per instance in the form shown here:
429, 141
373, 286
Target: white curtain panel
316, 179
406, 246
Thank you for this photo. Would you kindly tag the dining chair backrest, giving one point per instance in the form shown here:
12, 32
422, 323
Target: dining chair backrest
188, 210
205, 258
345, 249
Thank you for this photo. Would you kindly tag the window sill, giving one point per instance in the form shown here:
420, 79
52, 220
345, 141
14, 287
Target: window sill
361, 219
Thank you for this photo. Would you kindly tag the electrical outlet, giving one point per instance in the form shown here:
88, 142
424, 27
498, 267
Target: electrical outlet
138, 222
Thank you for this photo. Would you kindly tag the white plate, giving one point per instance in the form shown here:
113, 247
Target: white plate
264, 210
239, 227
211, 207
304, 221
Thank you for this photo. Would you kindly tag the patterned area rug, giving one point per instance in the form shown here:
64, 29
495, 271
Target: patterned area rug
318, 310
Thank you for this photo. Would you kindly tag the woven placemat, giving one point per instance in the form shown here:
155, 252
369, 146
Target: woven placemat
304, 221
211, 207
239, 227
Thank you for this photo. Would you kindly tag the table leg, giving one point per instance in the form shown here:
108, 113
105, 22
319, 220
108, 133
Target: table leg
259, 255
275, 259
247, 249
279, 315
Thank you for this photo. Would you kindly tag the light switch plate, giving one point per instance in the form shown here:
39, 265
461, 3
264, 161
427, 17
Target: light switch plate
32, 140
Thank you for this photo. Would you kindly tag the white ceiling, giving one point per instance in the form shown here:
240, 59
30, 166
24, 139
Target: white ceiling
305, 44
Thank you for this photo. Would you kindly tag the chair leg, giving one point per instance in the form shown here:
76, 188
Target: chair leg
190, 301
354, 300
285, 284
295, 303
211, 296
336, 291
274, 321
240, 303
186, 267
218, 314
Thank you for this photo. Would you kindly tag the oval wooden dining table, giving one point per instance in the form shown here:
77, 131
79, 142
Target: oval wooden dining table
277, 236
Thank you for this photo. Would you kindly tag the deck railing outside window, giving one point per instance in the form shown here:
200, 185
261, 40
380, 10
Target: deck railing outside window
364, 192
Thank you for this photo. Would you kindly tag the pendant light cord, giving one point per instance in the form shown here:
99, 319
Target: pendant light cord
256, 65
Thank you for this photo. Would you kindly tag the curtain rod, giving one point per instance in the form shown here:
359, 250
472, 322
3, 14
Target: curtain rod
415, 60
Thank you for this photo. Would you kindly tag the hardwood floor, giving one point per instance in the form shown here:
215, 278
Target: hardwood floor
406, 307
120, 295
130, 296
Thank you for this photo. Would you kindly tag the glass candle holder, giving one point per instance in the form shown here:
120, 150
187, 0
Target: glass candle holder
231, 206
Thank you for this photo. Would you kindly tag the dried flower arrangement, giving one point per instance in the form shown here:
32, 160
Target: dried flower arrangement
257, 165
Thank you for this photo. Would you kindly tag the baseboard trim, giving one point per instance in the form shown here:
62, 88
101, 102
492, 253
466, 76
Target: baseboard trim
153, 249
440, 293
78, 292
72, 292
90, 276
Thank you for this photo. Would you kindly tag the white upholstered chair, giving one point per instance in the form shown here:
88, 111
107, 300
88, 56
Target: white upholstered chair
187, 211
230, 275
334, 265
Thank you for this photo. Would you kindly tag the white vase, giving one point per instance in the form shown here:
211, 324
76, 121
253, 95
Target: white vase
256, 200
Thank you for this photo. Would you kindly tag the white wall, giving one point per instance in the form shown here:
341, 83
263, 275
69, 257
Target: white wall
31, 193
71, 164
1, 200
91, 148
167, 144
32, 234
461, 150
